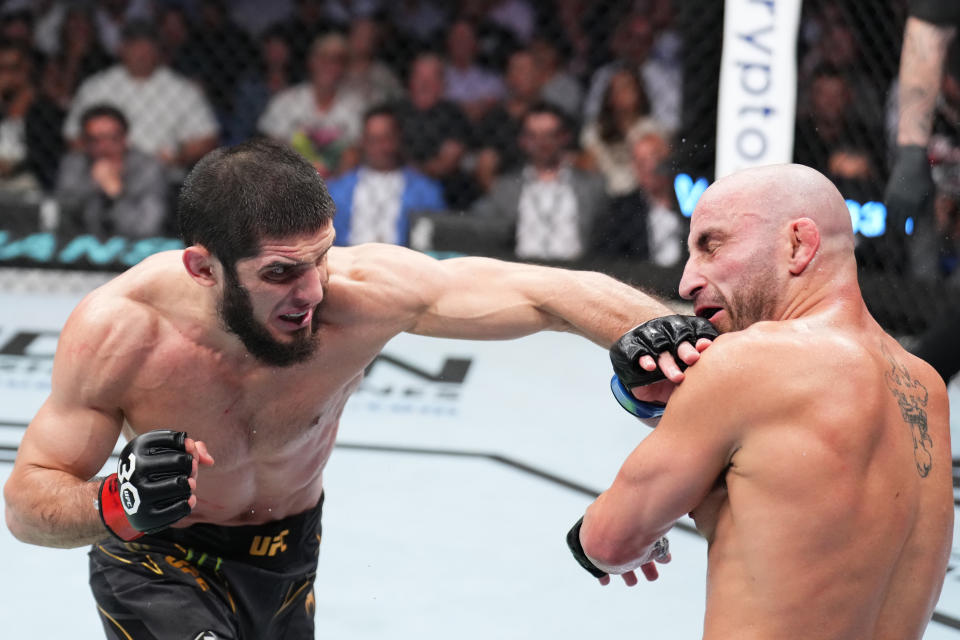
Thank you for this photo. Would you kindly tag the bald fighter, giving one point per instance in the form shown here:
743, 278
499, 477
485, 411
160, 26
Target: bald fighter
811, 450
250, 340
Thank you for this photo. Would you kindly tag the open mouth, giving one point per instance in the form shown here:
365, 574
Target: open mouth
708, 312
296, 320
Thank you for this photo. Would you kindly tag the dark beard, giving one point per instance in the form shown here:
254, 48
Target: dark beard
236, 313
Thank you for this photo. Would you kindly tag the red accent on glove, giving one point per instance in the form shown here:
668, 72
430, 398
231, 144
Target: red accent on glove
111, 510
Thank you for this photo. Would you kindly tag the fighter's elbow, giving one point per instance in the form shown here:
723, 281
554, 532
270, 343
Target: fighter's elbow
615, 550
11, 516
603, 549
16, 513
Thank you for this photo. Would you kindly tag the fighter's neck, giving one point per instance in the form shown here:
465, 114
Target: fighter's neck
192, 310
831, 303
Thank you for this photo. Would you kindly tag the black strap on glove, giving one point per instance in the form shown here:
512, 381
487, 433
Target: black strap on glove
573, 541
651, 339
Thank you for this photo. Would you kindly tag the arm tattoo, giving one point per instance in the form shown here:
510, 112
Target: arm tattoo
921, 68
912, 398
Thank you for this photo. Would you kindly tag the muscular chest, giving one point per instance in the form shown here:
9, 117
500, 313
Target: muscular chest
243, 413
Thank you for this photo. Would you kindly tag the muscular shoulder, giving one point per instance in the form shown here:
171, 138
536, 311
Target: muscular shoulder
109, 334
379, 280
106, 326
773, 367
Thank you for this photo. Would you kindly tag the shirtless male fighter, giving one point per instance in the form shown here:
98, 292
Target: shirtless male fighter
250, 340
812, 451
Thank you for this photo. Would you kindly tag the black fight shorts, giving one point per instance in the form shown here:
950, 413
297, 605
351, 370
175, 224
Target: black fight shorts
209, 582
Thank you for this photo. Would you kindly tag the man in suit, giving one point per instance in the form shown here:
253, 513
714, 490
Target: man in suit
554, 205
374, 201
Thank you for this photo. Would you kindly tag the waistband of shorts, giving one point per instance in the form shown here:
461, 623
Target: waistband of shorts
277, 545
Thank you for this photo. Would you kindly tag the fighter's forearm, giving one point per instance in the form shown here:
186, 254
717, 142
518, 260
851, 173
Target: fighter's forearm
615, 538
599, 307
921, 67
486, 299
53, 509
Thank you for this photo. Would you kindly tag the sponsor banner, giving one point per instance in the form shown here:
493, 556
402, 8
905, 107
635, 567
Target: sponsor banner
60, 251
758, 84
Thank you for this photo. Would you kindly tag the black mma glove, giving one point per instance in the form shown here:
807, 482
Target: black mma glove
149, 492
573, 541
651, 339
910, 188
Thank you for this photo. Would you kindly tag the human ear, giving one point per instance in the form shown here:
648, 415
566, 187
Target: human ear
199, 264
804, 243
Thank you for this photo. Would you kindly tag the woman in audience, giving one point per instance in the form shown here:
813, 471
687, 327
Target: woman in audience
80, 55
624, 116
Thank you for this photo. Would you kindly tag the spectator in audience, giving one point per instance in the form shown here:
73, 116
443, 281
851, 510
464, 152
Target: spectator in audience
838, 47
173, 32
16, 95
624, 116
79, 55
272, 74
109, 17
417, 22
374, 202
570, 25
644, 223
17, 25
831, 123
435, 132
256, 16
215, 56
113, 16
517, 16
666, 228
557, 86
495, 39
367, 76
852, 168
300, 32
555, 205
29, 147
499, 130
320, 119
473, 87
168, 116
340, 14
633, 41
118, 190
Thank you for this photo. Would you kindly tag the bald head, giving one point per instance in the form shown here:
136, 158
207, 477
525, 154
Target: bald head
777, 194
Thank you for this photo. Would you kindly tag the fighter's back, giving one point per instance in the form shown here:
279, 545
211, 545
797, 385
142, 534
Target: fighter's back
835, 520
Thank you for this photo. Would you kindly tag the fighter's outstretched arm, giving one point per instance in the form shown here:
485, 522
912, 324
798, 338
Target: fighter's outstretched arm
482, 298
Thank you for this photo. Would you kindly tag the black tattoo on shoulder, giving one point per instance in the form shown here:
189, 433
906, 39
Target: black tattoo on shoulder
912, 398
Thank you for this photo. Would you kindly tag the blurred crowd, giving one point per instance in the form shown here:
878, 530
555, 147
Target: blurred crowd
562, 118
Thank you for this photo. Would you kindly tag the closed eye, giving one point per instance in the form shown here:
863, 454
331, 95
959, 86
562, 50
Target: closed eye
709, 241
